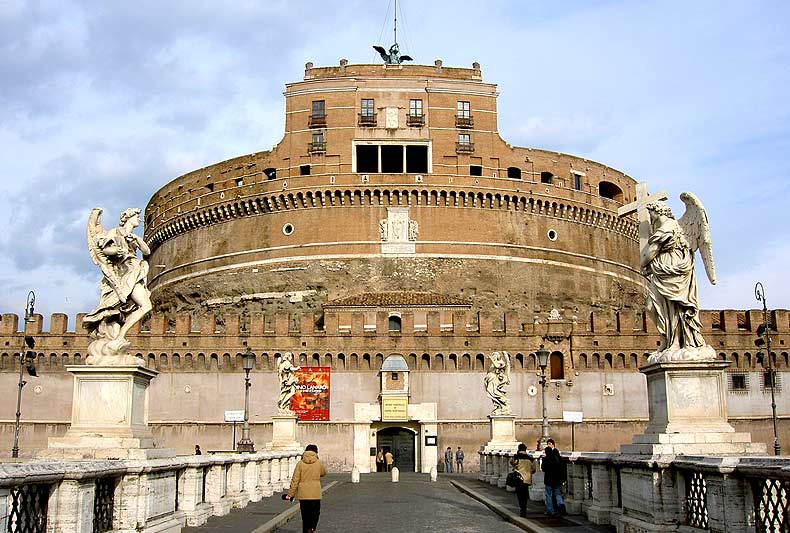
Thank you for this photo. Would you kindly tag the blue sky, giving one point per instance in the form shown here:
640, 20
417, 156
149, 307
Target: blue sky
102, 103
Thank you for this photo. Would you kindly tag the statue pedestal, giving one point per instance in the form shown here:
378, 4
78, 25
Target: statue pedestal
502, 435
688, 412
109, 416
284, 433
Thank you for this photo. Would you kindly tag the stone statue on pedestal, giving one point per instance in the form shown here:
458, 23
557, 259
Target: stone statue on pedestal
497, 377
124, 298
668, 264
286, 372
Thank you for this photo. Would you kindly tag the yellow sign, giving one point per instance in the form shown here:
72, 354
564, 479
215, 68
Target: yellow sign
394, 408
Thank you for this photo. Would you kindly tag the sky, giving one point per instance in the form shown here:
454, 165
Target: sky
102, 103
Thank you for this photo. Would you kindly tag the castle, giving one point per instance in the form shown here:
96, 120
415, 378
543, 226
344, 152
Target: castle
393, 237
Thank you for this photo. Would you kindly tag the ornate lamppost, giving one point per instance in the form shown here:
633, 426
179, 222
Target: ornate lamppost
246, 444
543, 361
765, 339
25, 362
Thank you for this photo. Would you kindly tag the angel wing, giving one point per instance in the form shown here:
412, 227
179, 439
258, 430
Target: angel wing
384, 55
93, 232
406, 58
506, 356
694, 223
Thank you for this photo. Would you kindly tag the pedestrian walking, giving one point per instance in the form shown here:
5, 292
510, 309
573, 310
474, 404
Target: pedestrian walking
459, 460
554, 470
197, 450
380, 460
389, 459
448, 460
306, 485
525, 466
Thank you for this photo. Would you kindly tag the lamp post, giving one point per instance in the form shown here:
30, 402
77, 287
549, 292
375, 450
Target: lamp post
246, 444
764, 338
543, 362
24, 363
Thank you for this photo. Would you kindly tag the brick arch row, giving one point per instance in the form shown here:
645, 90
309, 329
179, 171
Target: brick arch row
259, 205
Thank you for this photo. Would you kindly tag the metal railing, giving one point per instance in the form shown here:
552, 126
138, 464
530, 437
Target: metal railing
317, 121
103, 504
464, 122
316, 148
367, 119
28, 508
415, 120
464, 148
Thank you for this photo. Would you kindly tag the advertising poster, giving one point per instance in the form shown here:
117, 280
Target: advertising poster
311, 401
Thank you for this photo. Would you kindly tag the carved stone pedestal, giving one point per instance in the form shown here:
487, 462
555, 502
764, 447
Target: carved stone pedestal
109, 416
688, 413
284, 433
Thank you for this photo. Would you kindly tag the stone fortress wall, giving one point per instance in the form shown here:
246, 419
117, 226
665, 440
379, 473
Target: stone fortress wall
202, 376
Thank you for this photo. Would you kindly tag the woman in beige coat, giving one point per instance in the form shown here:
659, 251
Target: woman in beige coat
524, 465
306, 485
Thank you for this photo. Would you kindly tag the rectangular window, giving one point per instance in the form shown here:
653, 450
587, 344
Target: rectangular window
577, 182
318, 138
463, 110
738, 383
367, 107
304, 170
319, 109
367, 159
239, 182
415, 108
464, 138
392, 159
417, 159
475, 170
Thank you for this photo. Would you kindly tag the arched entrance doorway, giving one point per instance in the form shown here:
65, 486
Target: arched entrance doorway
400, 441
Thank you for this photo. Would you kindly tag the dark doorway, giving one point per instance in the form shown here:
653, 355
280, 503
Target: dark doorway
400, 442
392, 159
367, 158
417, 159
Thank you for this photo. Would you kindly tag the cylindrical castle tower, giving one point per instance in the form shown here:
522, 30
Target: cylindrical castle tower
394, 178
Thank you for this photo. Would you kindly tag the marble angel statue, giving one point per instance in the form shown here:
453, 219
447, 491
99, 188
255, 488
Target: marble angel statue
668, 265
286, 372
124, 298
497, 377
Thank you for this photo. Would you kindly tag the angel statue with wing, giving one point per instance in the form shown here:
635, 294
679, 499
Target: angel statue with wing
497, 377
124, 298
668, 265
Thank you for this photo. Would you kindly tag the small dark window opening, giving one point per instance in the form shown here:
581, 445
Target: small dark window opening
577, 182
546, 177
394, 376
392, 159
417, 159
239, 182
394, 323
367, 158
557, 365
304, 170
767, 380
210, 187
475, 170
514, 173
739, 381
271, 173
610, 190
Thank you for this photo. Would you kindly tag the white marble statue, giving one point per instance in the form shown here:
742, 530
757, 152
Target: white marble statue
286, 372
497, 377
124, 298
668, 265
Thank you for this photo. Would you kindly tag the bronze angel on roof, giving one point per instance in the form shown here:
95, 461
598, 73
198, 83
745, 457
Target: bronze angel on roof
394, 57
669, 267
124, 298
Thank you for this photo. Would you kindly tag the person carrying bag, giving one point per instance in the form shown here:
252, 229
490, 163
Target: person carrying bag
521, 477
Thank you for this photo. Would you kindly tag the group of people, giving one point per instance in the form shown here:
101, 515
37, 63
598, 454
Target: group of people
554, 474
384, 460
459, 460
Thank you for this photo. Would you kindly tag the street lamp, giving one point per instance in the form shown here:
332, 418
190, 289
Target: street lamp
543, 362
25, 362
765, 339
246, 444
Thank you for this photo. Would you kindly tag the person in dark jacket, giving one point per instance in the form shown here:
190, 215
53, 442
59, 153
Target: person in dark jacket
554, 476
306, 485
524, 465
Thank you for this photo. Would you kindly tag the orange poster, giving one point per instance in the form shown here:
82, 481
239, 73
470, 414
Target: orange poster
311, 401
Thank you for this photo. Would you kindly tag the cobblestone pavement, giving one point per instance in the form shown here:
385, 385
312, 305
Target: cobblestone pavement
414, 504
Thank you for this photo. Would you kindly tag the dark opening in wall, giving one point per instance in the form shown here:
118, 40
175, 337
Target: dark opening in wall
392, 159
546, 177
557, 365
210, 187
304, 170
394, 323
271, 173
577, 182
475, 170
417, 159
610, 190
514, 173
367, 158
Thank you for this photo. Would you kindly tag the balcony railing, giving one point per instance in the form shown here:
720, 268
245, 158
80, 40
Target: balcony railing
464, 148
316, 148
417, 121
464, 122
366, 119
317, 121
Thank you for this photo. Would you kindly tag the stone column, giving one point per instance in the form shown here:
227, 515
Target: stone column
277, 485
265, 476
190, 500
236, 493
71, 506
216, 487
285, 471
251, 480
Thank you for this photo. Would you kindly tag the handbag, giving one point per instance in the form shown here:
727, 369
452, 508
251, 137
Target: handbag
514, 479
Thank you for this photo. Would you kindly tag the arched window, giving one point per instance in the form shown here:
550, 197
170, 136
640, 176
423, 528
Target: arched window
609, 190
394, 323
514, 173
557, 365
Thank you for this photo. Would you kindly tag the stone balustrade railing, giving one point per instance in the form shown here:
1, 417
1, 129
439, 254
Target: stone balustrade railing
669, 493
129, 496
